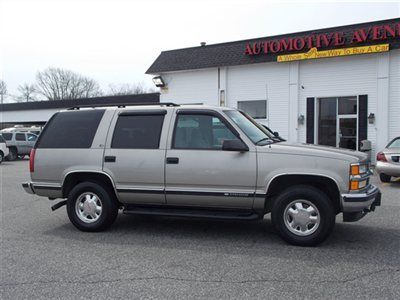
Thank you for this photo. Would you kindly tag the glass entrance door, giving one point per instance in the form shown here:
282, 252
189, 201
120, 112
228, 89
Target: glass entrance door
347, 132
338, 122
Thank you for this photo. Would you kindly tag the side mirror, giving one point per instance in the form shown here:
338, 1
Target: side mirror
276, 133
234, 145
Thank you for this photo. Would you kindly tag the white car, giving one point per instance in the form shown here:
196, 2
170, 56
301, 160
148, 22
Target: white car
3, 149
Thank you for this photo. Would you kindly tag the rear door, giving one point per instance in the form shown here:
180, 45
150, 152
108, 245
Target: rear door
199, 172
20, 142
135, 155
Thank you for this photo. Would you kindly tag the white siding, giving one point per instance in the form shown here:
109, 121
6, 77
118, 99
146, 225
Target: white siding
394, 94
254, 82
342, 76
197, 86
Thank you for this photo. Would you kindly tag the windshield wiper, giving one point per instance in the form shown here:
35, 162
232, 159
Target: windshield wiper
263, 139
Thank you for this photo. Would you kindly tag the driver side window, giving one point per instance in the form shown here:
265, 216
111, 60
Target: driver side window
200, 131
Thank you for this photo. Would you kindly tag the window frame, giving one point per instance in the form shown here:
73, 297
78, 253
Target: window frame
211, 113
160, 112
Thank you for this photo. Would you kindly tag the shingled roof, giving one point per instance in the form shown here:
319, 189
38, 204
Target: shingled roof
233, 53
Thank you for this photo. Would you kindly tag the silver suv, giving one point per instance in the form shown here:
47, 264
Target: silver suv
19, 143
195, 161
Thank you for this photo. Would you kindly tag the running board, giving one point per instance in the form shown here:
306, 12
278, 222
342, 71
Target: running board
191, 213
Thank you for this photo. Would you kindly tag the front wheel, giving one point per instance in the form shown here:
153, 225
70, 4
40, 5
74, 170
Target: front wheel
90, 207
303, 215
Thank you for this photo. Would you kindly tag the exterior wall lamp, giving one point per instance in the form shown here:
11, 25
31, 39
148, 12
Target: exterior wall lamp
158, 82
300, 119
371, 118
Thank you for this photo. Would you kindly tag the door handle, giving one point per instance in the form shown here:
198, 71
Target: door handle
172, 160
109, 158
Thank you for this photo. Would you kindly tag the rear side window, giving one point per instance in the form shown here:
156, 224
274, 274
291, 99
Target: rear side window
7, 136
20, 137
74, 129
137, 132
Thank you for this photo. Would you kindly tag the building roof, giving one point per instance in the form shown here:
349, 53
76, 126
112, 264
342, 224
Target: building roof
96, 101
233, 53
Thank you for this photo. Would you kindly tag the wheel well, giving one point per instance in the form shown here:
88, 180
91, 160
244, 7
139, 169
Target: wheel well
13, 147
325, 184
75, 178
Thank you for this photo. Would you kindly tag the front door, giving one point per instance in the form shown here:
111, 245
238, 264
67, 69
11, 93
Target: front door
338, 122
199, 172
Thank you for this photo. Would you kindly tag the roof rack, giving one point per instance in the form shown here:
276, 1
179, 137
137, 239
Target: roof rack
120, 105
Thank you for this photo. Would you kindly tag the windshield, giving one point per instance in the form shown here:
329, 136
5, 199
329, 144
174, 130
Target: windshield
254, 131
1, 139
394, 144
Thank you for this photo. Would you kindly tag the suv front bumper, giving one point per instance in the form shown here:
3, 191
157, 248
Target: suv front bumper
357, 205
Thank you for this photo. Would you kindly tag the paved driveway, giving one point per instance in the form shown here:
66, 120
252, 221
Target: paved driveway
44, 256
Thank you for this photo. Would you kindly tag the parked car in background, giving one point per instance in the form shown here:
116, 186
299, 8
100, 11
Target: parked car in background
20, 128
388, 161
195, 161
19, 143
3, 149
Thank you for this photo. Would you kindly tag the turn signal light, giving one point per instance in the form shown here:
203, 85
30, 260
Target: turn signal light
355, 170
357, 185
32, 160
381, 157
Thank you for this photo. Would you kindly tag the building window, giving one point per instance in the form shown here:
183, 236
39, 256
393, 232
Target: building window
257, 109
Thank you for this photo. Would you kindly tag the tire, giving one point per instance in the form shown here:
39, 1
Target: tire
1, 157
82, 199
384, 177
313, 204
13, 154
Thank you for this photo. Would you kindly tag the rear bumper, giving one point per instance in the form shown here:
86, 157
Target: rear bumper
28, 187
387, 168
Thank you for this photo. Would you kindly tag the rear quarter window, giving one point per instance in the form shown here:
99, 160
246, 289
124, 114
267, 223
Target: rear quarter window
71, 129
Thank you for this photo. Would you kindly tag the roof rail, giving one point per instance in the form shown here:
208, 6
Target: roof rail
120, 105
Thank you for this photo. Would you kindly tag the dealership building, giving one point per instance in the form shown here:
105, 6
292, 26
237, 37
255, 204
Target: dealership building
334, 86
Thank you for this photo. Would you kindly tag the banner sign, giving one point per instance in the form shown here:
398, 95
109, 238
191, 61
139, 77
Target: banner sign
314, 53
385, 33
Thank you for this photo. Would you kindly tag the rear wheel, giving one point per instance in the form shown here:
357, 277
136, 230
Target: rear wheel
90, 207
384, 177
1, 157
303, 215
13, 154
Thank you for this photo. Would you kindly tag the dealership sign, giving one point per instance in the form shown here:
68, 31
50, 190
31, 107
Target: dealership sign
371, 34
314, 53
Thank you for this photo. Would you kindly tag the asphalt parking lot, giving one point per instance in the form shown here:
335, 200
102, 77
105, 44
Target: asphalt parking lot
44, 256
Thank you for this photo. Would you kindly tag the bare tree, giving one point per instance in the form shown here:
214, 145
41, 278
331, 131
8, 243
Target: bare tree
128, 89
3, 90
26, 92
57, 84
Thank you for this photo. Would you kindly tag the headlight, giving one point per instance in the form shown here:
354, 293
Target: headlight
359, 169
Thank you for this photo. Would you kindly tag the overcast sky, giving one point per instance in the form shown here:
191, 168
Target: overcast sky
115, 41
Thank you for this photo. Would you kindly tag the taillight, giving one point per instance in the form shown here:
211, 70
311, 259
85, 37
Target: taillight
32, 161
381, 157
